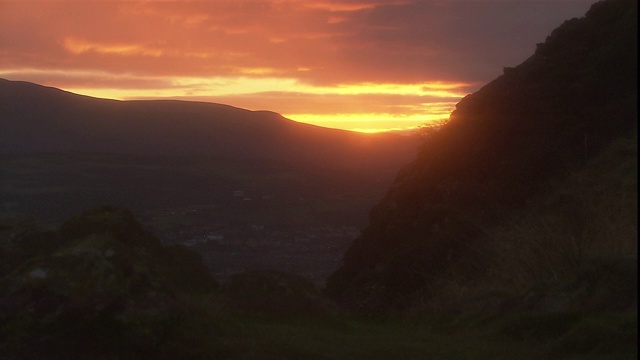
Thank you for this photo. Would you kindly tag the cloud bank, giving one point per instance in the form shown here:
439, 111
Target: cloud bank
401, 62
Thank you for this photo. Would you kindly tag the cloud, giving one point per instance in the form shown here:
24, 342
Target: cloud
79, 46
336, 41
349, 50
325, 104
448, 40
82, 79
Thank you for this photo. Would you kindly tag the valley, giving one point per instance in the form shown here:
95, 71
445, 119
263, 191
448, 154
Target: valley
238, 216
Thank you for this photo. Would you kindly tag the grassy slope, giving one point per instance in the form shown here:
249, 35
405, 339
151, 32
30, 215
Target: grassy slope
574, 244
540, 161
513, 338
203, 332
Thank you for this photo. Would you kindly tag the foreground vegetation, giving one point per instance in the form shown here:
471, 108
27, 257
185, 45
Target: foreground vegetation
103, 287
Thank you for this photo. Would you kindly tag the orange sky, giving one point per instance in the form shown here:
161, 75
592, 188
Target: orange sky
363, 65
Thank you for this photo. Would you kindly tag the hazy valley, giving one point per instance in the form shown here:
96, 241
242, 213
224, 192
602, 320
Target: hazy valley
234, 184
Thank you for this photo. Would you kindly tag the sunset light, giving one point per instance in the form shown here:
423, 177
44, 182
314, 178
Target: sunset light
375, 122
370, 65
318, 179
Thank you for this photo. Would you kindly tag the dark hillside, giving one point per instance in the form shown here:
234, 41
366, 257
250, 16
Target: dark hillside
502, 148
63, 153
37, 119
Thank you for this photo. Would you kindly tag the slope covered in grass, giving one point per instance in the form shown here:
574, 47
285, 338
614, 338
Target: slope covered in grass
538, 163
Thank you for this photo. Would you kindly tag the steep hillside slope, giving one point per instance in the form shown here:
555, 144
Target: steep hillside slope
501, 150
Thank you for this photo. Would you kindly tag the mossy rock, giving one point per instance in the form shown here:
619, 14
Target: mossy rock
105, 281
116, 221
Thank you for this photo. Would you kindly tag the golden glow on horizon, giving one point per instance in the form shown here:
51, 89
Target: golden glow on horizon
376, 122
244, 89
193, 87
333, 105
437, 89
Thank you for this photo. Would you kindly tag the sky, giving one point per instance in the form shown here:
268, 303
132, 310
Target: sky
362, 65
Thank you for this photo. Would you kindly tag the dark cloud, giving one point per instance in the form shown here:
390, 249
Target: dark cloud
452, 40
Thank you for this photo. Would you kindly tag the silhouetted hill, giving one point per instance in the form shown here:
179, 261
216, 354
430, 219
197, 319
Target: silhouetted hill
509, 158
37, 119
148, 155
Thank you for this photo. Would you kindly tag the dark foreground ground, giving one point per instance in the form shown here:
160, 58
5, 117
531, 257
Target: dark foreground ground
103, 287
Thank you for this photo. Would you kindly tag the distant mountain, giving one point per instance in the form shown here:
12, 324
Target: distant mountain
63, 153
38, 119
527, 149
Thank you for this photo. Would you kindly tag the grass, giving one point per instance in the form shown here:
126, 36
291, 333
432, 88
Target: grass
581, 231
435, 338
203, 329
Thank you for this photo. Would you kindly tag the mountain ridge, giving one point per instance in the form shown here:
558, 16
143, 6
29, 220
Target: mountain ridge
54, 120
63, 153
